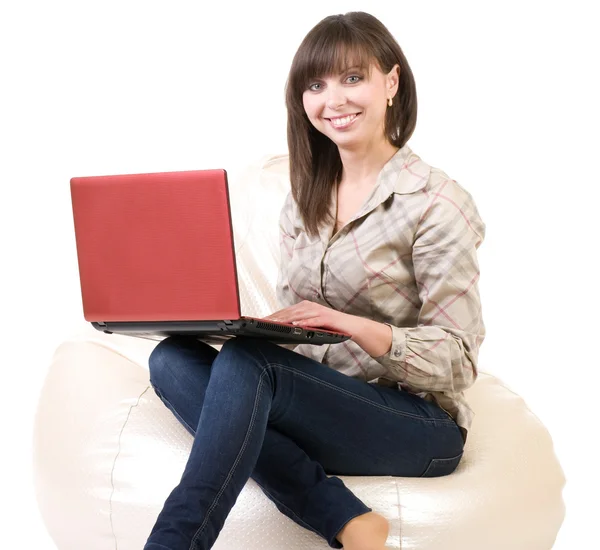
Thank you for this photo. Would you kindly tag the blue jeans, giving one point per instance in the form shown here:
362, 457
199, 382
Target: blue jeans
258, 410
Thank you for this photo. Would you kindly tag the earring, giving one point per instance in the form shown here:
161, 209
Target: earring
390, 101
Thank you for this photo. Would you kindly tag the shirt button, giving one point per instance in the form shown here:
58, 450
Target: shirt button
397, 352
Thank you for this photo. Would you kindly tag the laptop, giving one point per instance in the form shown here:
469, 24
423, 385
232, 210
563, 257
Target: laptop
156, 258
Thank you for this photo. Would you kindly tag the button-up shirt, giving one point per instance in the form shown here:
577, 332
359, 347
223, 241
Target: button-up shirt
407, 258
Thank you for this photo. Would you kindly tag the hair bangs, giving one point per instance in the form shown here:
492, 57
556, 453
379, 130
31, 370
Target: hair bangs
331, 54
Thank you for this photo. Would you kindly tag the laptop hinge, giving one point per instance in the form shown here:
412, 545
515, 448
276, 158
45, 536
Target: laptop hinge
101, 326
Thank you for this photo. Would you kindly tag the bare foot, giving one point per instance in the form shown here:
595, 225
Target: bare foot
365, 532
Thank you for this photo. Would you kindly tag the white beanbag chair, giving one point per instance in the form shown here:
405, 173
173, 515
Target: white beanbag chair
107, 452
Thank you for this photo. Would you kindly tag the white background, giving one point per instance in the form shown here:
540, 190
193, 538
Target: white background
508, 106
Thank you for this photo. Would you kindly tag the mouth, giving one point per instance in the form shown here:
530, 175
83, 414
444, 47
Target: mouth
343, 121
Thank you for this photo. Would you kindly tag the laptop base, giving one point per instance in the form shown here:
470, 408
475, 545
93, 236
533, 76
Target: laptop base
223, 330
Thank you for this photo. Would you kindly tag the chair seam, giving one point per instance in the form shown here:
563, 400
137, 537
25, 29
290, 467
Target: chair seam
112, 484
399, 516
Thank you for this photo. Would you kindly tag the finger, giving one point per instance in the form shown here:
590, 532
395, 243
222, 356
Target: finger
274, 315
310, 322
279, 315
297, 312
282, 318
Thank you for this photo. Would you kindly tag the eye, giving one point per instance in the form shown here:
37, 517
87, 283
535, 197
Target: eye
354, 79
314, 87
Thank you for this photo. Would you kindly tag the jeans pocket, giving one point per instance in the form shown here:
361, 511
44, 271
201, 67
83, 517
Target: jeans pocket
442, 466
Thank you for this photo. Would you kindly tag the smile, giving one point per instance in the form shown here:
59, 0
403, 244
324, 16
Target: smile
343, 121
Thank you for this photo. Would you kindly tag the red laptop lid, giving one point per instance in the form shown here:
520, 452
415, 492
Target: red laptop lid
155, 247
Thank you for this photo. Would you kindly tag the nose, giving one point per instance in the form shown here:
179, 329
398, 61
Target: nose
335, 97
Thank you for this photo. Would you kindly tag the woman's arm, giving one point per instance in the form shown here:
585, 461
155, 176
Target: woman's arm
375, 338
440, 353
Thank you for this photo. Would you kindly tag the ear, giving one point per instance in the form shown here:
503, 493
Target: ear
393, 77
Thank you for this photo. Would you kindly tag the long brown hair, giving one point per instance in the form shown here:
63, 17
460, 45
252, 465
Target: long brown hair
337, 42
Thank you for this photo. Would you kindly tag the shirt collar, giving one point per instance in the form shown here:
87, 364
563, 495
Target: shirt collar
403, 174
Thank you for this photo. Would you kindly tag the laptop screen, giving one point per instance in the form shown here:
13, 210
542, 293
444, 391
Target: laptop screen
155, 247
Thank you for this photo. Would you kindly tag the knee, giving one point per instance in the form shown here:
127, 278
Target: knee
158, 360
242, 350
240, 345
165, 358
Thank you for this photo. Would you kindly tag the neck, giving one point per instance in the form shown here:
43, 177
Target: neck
362, 165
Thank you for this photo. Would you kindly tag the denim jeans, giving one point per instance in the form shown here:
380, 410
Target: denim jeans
292, 424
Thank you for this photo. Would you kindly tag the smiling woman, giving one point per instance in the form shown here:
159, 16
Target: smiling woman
350, 85
120, 87
375, 243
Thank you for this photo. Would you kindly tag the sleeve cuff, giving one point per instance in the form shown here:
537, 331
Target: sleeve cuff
397, 353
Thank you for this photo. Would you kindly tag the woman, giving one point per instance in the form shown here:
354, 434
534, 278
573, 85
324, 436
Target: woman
375, 243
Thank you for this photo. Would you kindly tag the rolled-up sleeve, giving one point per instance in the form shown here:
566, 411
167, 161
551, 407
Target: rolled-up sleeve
440, 353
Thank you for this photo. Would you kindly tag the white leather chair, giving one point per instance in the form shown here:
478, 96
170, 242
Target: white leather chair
107, 452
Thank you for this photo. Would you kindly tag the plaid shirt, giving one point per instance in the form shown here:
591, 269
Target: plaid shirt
407, 259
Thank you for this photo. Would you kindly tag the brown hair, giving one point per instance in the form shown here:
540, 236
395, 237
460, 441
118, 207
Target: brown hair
334, 44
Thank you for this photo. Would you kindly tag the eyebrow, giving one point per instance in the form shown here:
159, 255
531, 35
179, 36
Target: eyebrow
346, 70
352, 68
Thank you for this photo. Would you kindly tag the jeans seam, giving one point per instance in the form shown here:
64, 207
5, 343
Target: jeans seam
169, 405
235, 464
448, 421
298, 518
166, 401
435, 461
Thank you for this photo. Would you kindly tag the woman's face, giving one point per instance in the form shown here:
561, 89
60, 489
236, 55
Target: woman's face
349, 108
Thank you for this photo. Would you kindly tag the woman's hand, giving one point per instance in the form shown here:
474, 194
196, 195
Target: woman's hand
310, 314
375, 338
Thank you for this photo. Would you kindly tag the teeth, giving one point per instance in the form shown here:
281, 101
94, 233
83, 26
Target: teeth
342, 121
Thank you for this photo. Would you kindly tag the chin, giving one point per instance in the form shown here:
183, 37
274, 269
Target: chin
346, 141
